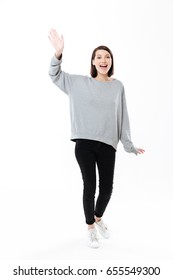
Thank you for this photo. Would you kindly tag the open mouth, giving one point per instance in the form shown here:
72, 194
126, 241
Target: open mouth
103, 66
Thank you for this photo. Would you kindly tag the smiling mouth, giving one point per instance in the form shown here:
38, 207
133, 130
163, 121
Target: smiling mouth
103, 66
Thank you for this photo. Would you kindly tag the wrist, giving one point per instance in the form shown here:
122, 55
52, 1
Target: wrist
58, 55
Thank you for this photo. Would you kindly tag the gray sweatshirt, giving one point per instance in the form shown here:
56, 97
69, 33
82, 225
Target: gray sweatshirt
98, 109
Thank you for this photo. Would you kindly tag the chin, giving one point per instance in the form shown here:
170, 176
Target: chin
103, 73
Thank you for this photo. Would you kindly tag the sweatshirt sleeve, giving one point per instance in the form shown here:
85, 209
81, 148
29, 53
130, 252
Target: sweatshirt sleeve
60, 78
125, 135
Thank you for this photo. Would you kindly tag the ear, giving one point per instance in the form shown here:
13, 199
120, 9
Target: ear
93, 63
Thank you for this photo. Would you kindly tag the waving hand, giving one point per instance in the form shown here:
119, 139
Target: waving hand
57, 42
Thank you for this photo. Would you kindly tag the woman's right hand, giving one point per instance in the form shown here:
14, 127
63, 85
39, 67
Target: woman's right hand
57, 42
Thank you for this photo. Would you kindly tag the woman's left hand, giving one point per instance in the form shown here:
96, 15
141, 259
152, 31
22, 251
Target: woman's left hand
140, 151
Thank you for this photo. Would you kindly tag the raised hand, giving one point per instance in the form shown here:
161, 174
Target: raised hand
57, 42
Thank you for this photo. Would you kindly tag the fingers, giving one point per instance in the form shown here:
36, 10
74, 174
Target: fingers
141, 151
54, 35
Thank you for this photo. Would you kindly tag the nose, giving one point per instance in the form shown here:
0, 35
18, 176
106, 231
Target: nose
103, 60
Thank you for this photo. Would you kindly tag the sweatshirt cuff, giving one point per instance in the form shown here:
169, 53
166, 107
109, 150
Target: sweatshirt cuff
56, 61
131, 149
135, 150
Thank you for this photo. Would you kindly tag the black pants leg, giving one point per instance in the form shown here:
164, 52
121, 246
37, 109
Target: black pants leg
105, 164
90, 154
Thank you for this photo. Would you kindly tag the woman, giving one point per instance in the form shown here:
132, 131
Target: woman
99, 119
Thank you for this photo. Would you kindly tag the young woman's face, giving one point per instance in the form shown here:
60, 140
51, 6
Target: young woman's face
102, 62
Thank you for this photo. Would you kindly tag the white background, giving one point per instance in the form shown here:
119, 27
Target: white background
40, 182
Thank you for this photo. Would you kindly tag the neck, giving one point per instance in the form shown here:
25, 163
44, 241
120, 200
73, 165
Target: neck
103, 78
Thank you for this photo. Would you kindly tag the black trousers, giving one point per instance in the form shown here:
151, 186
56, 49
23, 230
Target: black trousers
90, 154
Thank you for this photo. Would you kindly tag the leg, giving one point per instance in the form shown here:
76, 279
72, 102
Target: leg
87, 162
106, 164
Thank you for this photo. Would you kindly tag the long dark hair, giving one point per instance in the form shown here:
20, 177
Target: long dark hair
93, 70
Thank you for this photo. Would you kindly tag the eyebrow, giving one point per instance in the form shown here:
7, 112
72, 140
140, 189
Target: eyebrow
103, 55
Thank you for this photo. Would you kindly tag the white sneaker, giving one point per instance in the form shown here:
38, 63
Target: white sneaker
103, 229
93, 241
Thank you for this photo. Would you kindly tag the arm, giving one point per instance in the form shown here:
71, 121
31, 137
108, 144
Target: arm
125, 135
59, 78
